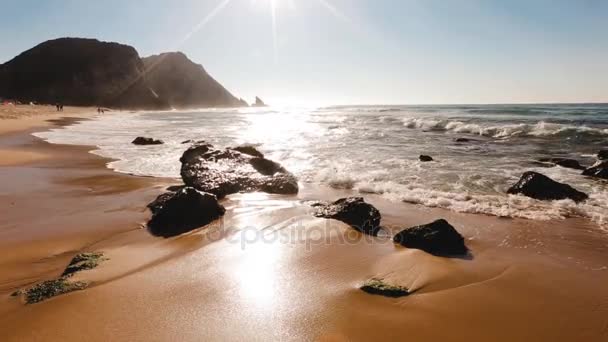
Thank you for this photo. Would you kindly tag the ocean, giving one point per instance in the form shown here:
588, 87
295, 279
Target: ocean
375, 149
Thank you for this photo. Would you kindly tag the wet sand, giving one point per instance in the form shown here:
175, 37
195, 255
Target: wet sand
270, 271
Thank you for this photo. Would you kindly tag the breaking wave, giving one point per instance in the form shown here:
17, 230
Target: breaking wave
540, 128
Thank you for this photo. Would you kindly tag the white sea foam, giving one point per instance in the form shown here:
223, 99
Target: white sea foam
540, 128
367, 150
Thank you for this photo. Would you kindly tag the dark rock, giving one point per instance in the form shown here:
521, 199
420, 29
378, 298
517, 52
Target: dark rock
185, 84
189, 141
425, 158
223, 172
146, 141
281, 183
465, 140
243, 103
438, 238
353, 211
598, 170
563, 162
258, 103
197, 149
250, 150
541, 187
266, 167
175, 213
175, 188
602, 155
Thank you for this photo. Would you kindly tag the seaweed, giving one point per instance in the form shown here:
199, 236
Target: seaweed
52, 288
61, 285
379, 287
83, 261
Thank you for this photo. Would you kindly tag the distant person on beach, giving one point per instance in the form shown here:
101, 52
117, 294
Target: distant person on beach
57, 105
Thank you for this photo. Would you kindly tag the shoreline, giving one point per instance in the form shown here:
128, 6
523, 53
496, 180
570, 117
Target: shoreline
522, 277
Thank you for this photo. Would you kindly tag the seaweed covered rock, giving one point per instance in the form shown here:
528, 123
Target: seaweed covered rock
380, 287
353, 211
541, 187
228, 171
438, 238
55, 287
598, 170
175, 213
146, 141
83, 261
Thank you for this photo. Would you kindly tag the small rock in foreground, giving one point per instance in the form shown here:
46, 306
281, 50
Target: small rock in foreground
175, 213
83, 261
353, 211
61, 285
51, 288
379, 287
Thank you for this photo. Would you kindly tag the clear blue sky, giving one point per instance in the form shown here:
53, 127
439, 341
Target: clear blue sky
351, 51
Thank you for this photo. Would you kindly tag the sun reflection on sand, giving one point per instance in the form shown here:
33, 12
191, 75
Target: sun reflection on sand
257, 273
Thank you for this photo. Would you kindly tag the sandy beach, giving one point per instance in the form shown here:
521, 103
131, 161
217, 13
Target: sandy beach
269, 270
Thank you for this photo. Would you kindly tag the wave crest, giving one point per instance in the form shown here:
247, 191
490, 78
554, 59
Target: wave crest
538, 129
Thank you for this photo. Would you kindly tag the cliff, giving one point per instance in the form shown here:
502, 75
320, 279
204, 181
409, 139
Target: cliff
88, 72
182, 83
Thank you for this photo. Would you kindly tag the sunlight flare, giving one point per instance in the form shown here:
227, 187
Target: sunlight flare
214, 12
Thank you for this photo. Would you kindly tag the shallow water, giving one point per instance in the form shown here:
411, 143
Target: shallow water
375, 149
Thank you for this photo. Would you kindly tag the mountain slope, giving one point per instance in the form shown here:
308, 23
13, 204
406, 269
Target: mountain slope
77, 71
183, 83
88, 72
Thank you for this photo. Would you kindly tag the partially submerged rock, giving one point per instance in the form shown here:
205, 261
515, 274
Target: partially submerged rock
175, 213
353, 211
425, 158
598, 170
224, 172
602, 154
541, 187
563, 162
379, 287
146, 141
437, 238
